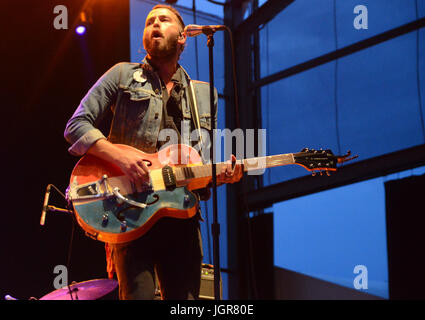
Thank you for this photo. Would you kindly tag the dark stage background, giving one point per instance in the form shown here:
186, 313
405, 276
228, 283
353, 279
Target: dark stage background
45, 74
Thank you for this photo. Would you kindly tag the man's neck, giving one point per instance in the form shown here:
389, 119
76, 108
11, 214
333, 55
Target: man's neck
165, 68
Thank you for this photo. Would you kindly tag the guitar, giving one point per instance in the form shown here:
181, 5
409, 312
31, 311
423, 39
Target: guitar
110, 208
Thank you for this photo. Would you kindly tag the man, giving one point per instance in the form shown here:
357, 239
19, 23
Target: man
146, 98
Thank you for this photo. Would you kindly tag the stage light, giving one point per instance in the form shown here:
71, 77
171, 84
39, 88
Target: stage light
83, 24
80, 30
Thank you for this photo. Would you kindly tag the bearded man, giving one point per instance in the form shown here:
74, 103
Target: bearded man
146, 98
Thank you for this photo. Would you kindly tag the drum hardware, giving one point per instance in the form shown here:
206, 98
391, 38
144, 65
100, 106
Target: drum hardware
86, 290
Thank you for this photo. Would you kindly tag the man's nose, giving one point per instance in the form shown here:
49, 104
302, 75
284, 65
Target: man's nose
156, 21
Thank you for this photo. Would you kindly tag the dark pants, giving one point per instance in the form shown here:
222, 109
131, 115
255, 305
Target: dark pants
172, 247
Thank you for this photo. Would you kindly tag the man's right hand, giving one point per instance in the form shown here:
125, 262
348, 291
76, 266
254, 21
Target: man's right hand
131, 163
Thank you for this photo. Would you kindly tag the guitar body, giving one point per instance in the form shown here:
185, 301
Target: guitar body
107, 218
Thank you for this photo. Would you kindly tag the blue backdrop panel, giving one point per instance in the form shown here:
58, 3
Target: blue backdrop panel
327, 234
371, 102
309, 28
378, 101
304, 30
355, 103
383, 15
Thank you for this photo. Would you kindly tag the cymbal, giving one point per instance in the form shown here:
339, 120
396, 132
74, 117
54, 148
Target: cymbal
86, 290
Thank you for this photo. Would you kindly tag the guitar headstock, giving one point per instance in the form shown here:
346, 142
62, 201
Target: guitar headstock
320, 160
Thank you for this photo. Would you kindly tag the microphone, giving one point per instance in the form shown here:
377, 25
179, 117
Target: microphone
193, 30
46, 201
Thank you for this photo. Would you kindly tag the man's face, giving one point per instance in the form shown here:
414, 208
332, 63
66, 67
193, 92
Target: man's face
161, 34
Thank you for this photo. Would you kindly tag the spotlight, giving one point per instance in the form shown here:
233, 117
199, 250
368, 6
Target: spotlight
80, 30
83, 23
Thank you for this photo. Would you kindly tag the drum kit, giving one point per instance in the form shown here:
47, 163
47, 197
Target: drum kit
97, 289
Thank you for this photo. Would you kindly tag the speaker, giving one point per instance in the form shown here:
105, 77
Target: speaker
206, 291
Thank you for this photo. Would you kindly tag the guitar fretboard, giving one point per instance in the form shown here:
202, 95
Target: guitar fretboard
259, 163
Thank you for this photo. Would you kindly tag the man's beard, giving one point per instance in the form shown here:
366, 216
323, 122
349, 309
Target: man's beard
162, 51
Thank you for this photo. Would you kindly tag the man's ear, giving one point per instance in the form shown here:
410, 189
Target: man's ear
182, 38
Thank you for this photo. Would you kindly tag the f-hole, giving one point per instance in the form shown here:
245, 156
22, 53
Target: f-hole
120, 214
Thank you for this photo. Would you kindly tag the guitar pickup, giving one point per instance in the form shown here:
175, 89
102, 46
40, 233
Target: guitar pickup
169, 177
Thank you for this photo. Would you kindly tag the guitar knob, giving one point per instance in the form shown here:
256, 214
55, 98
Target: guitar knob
105, 219
186, 199
123, 226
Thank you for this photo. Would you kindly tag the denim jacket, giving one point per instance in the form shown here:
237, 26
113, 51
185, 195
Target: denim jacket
133, 91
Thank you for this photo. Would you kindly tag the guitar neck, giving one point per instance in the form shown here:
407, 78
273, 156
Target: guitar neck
185, 173
252, 164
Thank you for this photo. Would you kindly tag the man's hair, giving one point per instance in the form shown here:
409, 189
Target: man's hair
173, 10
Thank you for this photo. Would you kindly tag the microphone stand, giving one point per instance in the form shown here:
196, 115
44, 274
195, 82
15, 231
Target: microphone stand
215, 227
47, 208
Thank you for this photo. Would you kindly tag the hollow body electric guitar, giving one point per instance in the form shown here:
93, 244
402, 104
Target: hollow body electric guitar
110, 208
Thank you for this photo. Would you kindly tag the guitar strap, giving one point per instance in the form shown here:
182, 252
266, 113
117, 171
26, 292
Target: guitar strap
194, 111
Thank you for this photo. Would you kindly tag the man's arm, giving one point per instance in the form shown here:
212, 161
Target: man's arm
81, 131
84, 137
131, 163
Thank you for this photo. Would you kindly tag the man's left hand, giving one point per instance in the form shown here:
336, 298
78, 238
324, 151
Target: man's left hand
229, 174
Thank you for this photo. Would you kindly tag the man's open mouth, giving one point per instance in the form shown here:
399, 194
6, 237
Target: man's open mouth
156, 34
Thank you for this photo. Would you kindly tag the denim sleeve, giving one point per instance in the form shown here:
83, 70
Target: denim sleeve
81, 131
